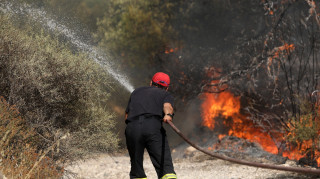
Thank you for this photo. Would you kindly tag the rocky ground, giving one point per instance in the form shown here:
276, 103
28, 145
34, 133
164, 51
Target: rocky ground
194, 165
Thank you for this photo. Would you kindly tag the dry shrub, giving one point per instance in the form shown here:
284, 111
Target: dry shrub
19, 157
57, 92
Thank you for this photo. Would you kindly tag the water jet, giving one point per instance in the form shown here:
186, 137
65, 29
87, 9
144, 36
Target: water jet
14, 9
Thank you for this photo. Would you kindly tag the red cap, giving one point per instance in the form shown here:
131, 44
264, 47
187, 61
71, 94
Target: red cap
161, 79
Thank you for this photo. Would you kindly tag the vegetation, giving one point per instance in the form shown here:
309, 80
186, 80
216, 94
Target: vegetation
86, 12
137, 31
19, 155
280, 71
59, 94
303, 133
263, 54
267, 52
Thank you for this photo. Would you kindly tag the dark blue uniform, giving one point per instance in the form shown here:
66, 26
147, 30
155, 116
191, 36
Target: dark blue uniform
144, 131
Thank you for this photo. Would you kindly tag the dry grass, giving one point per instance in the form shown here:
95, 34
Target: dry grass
19, 156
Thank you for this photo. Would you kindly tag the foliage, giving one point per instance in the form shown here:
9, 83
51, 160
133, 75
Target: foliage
140, 35
303, 133
86, 11
19, 155
307, 126
267, 52
136, 31
304, 129
97, 136
55, 90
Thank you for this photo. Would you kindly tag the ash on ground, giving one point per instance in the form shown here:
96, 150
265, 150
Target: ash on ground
229, 146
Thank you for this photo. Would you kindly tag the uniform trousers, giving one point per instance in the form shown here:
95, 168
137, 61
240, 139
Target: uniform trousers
146, 132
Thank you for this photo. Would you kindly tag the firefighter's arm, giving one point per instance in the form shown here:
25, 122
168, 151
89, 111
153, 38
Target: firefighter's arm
168, 112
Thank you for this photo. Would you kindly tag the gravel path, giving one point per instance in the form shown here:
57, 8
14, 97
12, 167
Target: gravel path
200, 167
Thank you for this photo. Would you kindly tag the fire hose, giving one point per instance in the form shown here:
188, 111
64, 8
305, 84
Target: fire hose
243, 162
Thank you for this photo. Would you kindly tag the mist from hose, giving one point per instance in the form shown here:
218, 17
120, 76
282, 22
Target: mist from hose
43, 18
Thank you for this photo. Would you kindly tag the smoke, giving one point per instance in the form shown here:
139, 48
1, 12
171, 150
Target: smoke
189, 121
211, 33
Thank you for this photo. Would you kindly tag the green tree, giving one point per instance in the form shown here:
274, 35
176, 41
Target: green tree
136, 31
86, 11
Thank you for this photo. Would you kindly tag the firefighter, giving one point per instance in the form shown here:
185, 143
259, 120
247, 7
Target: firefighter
147, 108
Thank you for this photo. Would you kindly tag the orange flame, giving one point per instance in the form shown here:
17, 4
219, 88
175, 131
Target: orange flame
170, 50
224, 104
284, 48
221, 136
227, 106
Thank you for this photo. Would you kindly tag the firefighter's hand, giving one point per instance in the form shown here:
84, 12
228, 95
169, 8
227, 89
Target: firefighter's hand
167, 118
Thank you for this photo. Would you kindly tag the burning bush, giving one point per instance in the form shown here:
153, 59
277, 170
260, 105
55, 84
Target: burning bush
303, 136
277, 74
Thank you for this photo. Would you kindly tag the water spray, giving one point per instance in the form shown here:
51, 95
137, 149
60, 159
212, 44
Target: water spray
243, 162
41, 16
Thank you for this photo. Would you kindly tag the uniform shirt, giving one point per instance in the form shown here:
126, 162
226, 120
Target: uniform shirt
148, 100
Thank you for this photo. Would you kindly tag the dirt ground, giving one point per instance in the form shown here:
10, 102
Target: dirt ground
117, 166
